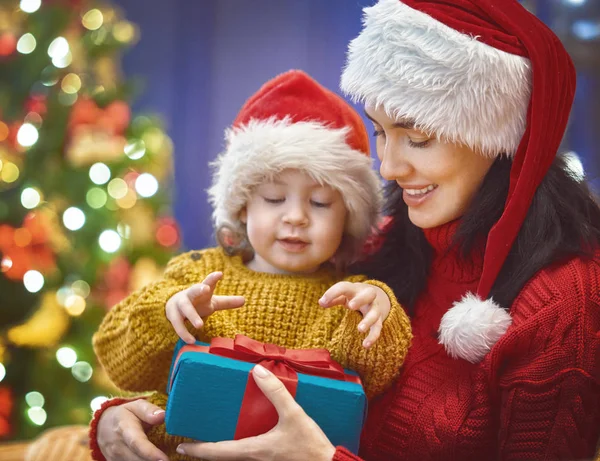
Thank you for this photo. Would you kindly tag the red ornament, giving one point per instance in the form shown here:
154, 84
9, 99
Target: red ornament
114, 119
8, 44
167, 232
6, 407
26, 248
36, 103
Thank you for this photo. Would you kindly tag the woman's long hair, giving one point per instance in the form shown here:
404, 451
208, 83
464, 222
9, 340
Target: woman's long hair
563, 221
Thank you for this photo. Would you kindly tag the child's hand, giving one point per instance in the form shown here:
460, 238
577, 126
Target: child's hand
198, 301
370, 300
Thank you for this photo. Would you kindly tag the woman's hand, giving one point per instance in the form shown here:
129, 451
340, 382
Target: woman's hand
296, 437
120, 432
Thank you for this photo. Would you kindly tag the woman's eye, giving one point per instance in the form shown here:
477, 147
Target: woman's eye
273, 200
420, 144
318, 204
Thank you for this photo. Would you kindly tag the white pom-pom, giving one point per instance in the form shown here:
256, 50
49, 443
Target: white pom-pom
472, 326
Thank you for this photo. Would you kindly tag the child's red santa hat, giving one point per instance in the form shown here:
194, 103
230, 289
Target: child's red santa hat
293, 122
484, 73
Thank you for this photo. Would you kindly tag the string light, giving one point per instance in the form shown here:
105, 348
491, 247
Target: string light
75, 305
73, 218
66, 356
27, 135
26, 43
135, 150
30, 6
99, 173
110, 241
6, 264
59, 48
146, 185
93, 19
117, 188
10, 172
96, 198
37, 415
71, 83
97, 402
81, 287
82, 371
35, 399
33, 281
30, 198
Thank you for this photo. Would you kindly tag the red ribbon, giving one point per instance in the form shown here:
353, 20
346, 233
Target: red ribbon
257, 414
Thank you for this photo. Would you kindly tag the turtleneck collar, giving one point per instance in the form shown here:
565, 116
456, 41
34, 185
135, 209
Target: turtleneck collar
448, 261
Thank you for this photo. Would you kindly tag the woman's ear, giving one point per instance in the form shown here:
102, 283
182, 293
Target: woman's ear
244, 215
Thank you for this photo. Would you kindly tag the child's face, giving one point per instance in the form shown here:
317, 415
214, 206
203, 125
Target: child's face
293, 224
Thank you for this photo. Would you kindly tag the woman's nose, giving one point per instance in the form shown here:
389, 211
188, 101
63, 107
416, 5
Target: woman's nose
393, 164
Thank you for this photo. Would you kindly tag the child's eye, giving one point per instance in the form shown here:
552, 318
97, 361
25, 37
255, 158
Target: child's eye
377, 133
419, 145
274, 200
318, 204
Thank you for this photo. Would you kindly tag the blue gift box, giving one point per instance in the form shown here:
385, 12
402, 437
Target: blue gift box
206, 392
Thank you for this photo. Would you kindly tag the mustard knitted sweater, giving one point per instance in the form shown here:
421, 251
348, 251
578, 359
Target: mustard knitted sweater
135, 341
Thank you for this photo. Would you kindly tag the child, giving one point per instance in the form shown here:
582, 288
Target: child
294, 199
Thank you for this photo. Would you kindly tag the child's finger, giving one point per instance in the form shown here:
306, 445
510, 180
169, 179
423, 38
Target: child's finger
373, 334
369, 320
363, 297
212, 279
188, 311
177, 321
341, 291
198, 291
220, 303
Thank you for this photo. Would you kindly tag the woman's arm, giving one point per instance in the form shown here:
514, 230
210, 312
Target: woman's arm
548, 368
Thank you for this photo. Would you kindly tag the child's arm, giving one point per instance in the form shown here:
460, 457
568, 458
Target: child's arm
379, 364
135, 341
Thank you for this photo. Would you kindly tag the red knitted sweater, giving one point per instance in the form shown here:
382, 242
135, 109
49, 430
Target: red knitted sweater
535, 396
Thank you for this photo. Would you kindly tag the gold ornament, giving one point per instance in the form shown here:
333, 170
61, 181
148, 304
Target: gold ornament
144, 272
44, 328
90, 145
141, 222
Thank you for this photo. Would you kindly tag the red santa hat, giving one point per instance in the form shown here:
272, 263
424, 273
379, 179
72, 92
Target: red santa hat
484, 73
293, 122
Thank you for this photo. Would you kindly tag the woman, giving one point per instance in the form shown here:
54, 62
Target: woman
492, 243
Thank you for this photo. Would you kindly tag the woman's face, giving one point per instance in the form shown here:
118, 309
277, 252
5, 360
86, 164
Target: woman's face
438, 179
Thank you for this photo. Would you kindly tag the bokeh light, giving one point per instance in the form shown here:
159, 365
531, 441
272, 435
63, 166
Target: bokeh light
37, 415
110, 241
33, 281
96, 198
35, 399
146, 185
73, 218
30, 198
27, 135
66, 356
82, 371
26, 43
30, 6
99, 173
93, 19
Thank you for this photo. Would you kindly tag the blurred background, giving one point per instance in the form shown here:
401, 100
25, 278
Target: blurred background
103, 157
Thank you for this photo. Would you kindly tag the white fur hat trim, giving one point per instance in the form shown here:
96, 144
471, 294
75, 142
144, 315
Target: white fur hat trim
260, 149
450, 84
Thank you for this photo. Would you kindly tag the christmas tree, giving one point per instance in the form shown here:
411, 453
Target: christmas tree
84, 215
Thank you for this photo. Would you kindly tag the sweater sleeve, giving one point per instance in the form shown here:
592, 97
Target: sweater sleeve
379, 365
549, 371
135, 341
